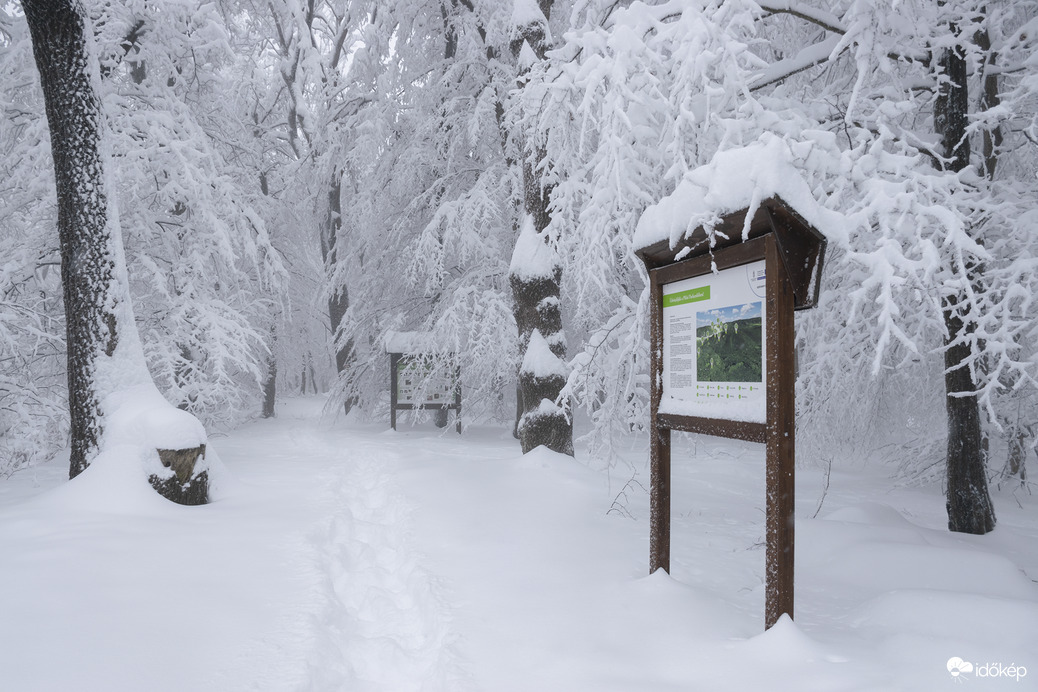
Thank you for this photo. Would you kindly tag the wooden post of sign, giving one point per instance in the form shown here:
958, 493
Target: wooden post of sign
457, 400
659, 501
659, 445
394, 358
780, 447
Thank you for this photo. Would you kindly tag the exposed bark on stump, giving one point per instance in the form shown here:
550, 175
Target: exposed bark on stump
184, 487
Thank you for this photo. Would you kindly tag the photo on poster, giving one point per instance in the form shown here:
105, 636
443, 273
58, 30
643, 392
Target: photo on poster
730, 344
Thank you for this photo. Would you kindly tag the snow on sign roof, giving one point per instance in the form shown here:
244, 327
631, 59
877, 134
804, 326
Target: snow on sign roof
411, 343
743, 194
735, 180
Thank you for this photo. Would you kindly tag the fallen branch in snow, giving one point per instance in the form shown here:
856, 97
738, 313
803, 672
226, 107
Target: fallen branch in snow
825, 488
619, 505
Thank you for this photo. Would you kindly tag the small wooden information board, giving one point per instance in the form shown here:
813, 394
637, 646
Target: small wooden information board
414, 381
723, 361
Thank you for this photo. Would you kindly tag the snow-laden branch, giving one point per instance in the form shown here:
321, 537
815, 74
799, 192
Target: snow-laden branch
815, 54
826, 20
840, 41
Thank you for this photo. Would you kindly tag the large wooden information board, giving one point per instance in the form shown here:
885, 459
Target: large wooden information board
723, 362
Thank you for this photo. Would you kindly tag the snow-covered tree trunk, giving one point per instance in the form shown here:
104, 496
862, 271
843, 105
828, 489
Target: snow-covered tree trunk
88, 267
338, 297
969, 504
270, 378
108, 381
535, 273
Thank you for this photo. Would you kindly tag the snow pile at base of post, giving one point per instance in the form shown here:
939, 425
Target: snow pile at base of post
737, 179
532, 258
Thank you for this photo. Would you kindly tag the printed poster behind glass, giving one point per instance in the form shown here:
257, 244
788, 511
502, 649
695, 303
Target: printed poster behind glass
714, 345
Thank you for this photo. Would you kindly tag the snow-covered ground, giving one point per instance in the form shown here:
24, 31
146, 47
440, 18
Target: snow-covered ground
349, 557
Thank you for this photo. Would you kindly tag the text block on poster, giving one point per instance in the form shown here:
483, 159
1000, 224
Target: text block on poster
417, 386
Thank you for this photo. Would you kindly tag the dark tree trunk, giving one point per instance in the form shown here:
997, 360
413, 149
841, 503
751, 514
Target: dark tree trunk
536, 296
1016, 457
87, 264
338, 298
969, 504
989, 98
518, 406
270, 382
97, 302
182, 375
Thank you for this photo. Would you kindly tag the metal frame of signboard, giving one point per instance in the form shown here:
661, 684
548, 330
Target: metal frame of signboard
394, 405
777, 433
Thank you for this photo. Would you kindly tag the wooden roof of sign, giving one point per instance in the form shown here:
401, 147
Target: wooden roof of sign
801, 246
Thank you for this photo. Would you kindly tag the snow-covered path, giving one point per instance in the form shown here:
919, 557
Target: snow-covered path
350, 557
301, 576
380, 622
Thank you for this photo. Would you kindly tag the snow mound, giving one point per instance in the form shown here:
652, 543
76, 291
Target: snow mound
141, 416
924, 611
114, 483
883, 567
873, 513
138, 422
541, 457
539, 359
532, 258
784, 644
526, 12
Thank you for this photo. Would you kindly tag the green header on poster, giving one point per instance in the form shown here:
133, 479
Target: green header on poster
682, 297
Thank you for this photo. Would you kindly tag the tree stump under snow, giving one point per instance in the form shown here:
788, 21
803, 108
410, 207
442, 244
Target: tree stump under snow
185, 486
